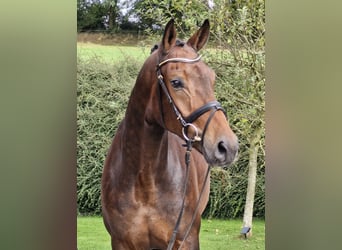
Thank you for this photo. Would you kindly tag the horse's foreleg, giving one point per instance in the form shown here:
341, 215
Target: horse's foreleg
117, 245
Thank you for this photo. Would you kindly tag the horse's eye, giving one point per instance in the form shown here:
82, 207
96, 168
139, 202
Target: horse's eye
177, 84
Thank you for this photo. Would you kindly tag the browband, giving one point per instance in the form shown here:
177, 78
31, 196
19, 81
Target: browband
179, 59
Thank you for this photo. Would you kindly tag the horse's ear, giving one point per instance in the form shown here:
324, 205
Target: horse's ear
169, 37
200, 38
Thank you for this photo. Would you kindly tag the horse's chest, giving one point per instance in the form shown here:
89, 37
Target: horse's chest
153, 222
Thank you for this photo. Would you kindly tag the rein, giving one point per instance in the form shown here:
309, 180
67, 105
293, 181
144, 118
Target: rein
187, 122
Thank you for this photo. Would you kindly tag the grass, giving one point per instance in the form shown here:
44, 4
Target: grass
225, 235
215, 235
111, 54
91, 234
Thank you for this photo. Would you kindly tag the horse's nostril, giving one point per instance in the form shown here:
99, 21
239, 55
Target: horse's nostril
222, 147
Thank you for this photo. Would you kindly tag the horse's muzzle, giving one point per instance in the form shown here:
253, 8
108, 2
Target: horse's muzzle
223, 152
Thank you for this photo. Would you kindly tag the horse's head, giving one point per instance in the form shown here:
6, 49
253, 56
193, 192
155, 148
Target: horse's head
187, 103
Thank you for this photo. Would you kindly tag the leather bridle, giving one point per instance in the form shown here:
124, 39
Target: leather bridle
187, 122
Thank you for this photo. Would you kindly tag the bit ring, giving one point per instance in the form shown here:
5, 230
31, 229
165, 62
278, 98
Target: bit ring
196, 137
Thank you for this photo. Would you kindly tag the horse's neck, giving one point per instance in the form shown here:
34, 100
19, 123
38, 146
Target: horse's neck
145, 157
145, 144
143, 141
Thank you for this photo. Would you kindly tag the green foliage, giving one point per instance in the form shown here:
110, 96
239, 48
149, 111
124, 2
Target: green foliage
102, 96
228, 193
238, 29
154, 14
91, 15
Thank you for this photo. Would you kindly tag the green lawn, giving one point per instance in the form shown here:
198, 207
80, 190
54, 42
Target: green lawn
115, 53
215, 235
110, 54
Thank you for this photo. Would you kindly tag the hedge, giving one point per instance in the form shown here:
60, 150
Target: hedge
102, 95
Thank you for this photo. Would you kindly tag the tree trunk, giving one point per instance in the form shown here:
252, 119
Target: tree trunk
112, 14
111, 18
252, 170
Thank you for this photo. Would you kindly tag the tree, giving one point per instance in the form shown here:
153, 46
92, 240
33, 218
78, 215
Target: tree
97, 15
154, 14
240, 30
112, 12
91, 15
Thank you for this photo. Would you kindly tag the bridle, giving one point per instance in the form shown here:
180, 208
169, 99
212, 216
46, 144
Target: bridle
187, 122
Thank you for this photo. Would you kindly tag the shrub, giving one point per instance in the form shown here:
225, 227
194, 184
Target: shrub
102, 96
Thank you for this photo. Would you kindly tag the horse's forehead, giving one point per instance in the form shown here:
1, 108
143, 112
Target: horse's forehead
199, 69
183, 50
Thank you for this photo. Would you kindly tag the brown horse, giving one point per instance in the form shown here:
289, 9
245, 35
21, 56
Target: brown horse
148, 186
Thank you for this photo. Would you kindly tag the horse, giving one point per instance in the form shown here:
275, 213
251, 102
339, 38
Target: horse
154, 187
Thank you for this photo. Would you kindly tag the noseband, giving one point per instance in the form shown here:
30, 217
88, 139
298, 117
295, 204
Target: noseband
187, 122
